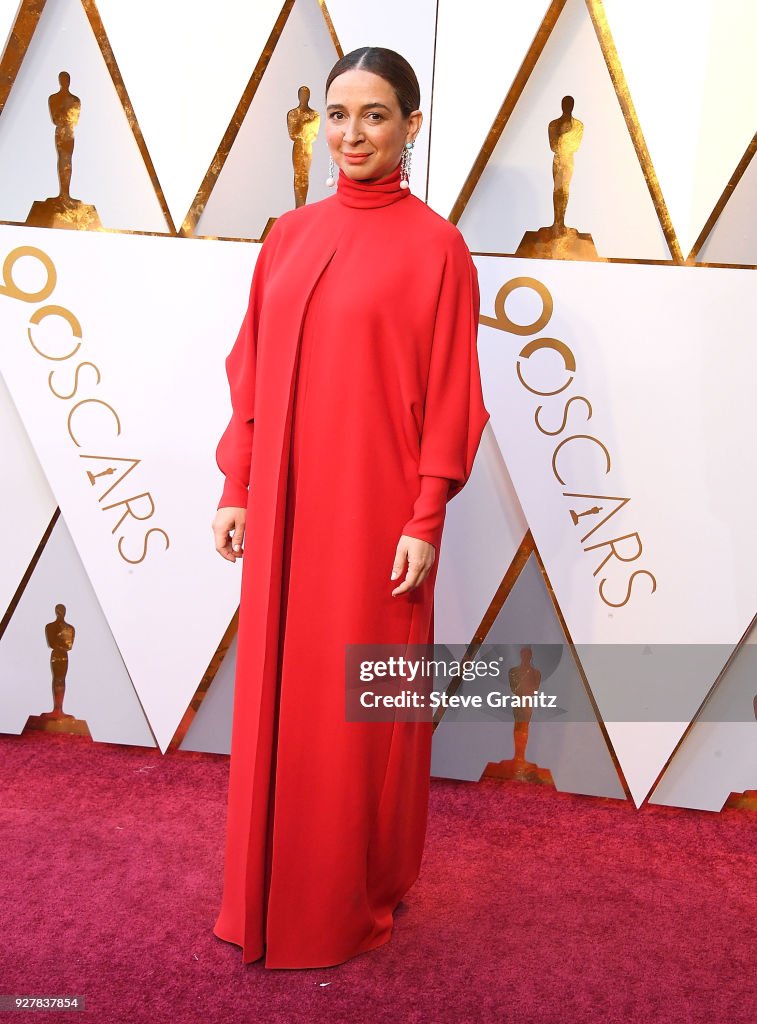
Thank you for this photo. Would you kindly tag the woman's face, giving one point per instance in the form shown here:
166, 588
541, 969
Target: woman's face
366, 131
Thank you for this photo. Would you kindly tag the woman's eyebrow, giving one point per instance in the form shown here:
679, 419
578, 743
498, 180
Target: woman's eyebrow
366, 106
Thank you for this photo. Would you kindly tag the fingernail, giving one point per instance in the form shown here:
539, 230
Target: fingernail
394, 575
237, 547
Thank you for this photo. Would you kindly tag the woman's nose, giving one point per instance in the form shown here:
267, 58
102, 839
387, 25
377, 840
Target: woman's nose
352, 133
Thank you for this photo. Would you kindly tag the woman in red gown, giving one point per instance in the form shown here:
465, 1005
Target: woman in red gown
357, 413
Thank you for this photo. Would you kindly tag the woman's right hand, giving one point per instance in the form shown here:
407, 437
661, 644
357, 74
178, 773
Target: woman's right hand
228, 530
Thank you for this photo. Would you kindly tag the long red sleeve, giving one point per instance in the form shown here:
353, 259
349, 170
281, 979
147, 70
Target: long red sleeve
429, 510
454, 412
234, 451
233, 456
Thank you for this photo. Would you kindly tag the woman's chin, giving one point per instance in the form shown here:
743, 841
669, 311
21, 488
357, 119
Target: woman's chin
364, 170
357, 171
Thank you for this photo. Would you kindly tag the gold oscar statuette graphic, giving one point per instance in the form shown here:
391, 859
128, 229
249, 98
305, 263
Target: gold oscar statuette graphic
524, 680
60, 639
558, 241
63, 211
303, 123
593, 511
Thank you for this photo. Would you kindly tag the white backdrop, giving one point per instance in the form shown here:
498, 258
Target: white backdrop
183, 122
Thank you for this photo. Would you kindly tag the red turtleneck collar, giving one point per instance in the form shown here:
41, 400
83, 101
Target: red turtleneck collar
371, 192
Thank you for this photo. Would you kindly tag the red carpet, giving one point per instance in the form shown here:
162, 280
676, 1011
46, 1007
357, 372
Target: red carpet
533, 907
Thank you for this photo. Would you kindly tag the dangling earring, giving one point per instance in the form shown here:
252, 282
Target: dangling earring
407, 156
330, 181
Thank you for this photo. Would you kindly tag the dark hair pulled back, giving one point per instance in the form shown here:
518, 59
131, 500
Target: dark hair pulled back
388, 64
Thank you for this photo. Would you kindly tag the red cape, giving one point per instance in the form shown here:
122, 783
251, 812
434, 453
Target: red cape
356, 372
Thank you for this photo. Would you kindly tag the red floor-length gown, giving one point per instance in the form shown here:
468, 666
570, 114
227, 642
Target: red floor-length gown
357, 412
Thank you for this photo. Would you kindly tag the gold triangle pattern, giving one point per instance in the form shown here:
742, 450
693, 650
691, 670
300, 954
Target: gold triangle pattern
21, 36
95, 21
518, 563
610, 54
224, 148
330, 27
582, 673
599, 21
721, 204
18, 43
503, 116
700, 709
202, 690
28, 574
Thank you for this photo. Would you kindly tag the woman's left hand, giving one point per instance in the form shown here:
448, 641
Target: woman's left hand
419, 556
